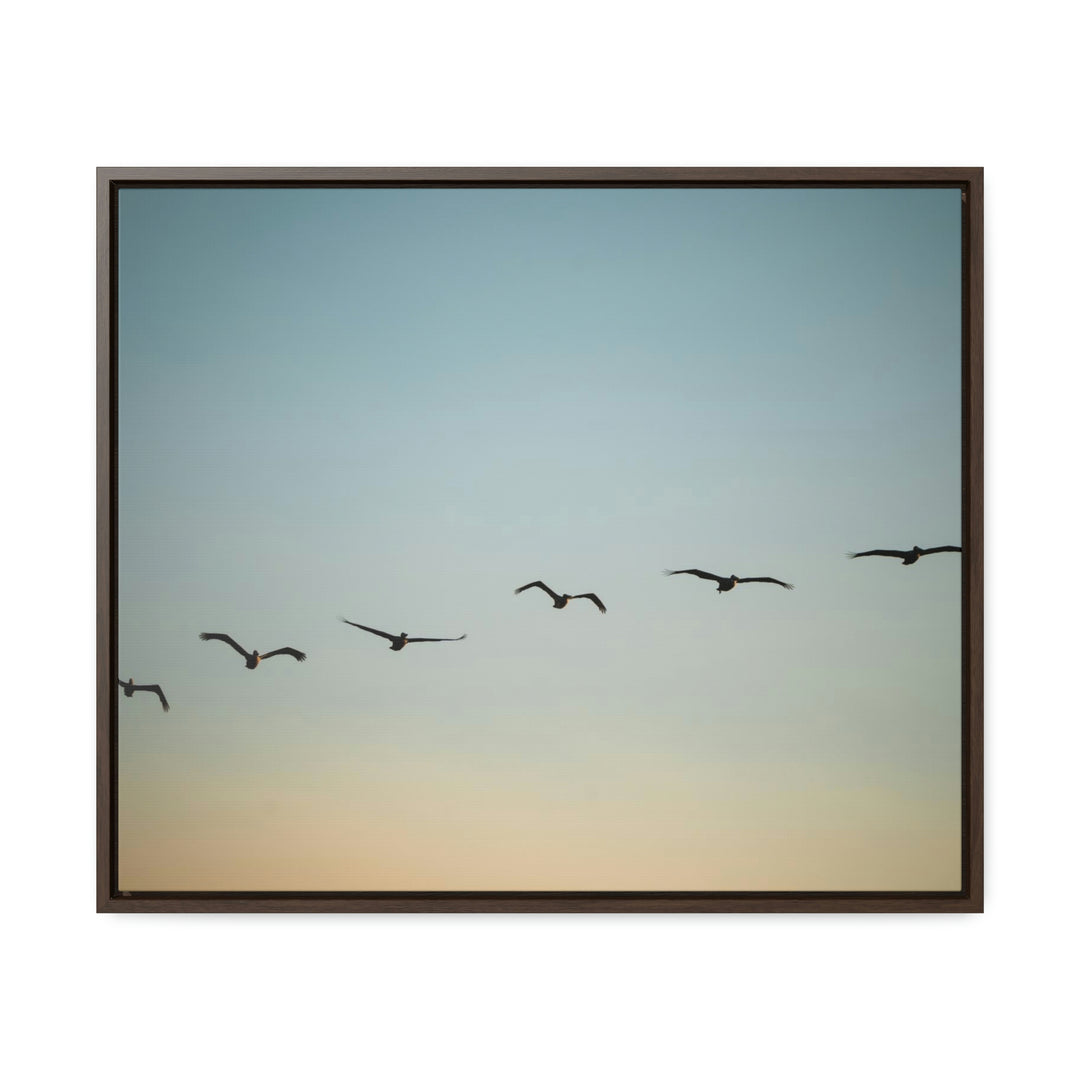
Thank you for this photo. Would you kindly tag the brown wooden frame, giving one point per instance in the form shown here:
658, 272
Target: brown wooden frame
968, 899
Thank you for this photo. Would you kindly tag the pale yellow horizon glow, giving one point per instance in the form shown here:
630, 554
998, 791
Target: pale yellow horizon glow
292, 818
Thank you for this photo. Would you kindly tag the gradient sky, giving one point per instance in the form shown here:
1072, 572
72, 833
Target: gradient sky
399, 405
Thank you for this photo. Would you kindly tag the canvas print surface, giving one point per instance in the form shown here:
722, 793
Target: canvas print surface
400, 473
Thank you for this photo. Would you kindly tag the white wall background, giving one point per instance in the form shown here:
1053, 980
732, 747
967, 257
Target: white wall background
595, 83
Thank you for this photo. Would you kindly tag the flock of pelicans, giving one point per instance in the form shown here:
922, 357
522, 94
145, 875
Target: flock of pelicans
399, 641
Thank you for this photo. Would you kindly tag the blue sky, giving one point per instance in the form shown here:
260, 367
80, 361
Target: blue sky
398, 405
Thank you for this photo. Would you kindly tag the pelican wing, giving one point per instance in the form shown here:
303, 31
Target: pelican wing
538, 584
774, 581
878, 551
593, 597
370, 629
697, 573
155, 689
296, 654
934, 551
228, 641
413, 640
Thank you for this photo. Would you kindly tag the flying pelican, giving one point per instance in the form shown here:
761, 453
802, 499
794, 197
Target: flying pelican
562, 599
726, 584
252, 658
130, 688
909, 557
399, 641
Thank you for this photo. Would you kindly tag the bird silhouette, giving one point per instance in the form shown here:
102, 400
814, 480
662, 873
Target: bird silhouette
252, 659
130, 688
399, 641
910, 557
726, 584
562, 599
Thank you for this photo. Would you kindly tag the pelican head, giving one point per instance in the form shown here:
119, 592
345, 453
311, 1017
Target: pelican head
255, 652
735, 578
404, 636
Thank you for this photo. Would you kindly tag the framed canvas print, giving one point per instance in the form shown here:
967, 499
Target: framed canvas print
596, 540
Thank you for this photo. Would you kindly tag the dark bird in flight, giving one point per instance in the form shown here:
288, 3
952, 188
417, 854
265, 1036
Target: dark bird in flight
562, 599
726, 584
251, 659
130, 688
909, 557
399, 641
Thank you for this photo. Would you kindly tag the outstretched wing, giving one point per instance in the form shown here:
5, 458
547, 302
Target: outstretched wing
947, 547
774, 581
296, 654
155, 689
223, 637
414, 640
534, 585
593, 597
696, 573
370, 629
878, 551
